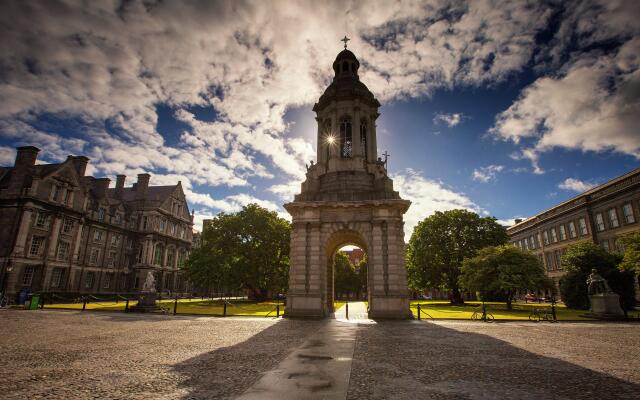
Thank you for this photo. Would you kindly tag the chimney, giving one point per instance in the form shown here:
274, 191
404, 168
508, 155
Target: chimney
142, 185
25, 159
26, 156
80, 164
518, 220
100, 186
120, 185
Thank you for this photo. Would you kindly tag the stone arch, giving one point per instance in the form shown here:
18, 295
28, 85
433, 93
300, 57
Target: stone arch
335, 236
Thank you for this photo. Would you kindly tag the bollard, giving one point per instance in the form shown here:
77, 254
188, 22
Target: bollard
84, 303
553, 311
175, 306
126, 306
42, 302
224, 312
347, 309
419, 316
484, 312
278, 311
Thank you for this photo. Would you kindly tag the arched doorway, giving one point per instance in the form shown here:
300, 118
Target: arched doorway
334, 244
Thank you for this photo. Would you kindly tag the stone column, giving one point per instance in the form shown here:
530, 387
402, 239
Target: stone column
23, 231
53, 237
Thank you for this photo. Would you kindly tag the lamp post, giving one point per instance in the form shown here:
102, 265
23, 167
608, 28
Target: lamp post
8, 267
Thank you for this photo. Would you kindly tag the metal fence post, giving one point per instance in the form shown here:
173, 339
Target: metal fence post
347, 309
553, 311
277, 310
175, 306
42, 302
84, 303
419, 316
224, 313
126, 306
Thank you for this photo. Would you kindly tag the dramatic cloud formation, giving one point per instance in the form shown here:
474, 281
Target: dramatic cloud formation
450, 120
486, 174
575, 185
90, 78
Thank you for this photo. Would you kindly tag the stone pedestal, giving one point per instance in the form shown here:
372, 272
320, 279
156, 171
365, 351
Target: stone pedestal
605, 306
146, 303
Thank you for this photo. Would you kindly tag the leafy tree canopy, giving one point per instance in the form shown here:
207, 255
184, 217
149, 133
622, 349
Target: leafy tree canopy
248, 249
349, 278
503, 270
631, 259
442, 241
579, 260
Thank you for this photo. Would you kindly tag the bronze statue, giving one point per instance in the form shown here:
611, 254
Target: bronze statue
596, 284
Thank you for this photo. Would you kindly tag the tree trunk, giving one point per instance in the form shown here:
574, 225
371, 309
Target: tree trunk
456, 297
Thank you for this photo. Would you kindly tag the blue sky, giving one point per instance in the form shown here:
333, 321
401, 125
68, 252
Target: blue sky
504, 108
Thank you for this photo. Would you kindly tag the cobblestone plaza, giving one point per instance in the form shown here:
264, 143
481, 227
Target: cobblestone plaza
64, 355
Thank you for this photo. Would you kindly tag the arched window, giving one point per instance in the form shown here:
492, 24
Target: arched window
346, 141
363, 139
345, 66
171, 257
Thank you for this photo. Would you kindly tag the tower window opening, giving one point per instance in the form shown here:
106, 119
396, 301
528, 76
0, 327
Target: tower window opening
346, 142
353, 68
345, 67
363, 139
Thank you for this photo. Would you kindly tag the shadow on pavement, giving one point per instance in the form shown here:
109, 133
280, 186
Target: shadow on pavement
413, 360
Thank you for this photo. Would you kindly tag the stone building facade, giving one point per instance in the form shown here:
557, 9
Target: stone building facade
62, 231
601, 215
347, 198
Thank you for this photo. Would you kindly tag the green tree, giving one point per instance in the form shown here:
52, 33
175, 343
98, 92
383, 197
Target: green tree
503, 270
631, 258
579, 260
442, 241
345, 275
248, 250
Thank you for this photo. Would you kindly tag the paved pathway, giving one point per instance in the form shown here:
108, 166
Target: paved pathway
357, 312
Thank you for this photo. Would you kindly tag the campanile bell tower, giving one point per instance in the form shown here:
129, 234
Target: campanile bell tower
347, 198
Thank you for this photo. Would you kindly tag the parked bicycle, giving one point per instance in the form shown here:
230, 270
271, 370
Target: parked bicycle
480, 314
541, 314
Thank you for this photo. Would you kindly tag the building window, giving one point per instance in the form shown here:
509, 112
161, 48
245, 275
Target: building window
532, 243
572, 229
112, 259
537, 239
106, 283
556, 256
157, 257
88, 280
163, 224
605, 245
627, 211
549, 258
97, 235
545, 237
115, 240
27, 275
42, 220
63, 251
599, 222
171, 257
145, 222
613, 218
36, 245
563, 233
346, 141
554, 235
55, 192
94, 255
56, 277
140, 254
583, 226
181, 258
100, 214
67, 197
67, 225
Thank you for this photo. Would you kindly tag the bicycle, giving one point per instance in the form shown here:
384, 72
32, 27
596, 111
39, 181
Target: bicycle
538, 314
4, 301
480, 314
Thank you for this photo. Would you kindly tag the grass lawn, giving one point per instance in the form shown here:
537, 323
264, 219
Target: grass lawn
444, 310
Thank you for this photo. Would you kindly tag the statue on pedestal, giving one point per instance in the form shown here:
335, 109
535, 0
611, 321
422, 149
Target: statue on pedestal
149, 283
604, 302
148, 295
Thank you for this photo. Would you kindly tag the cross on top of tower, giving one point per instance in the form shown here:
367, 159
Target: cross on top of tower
345, 39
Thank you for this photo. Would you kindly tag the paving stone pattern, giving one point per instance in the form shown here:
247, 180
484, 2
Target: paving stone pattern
91, 355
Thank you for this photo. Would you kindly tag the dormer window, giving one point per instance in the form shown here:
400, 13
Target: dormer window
55, 192
346, 141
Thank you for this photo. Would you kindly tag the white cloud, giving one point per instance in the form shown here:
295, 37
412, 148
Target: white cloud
486, 174
450, 120
427, 196
7, 156
575, 185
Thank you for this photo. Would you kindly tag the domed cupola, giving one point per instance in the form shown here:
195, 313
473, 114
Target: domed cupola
346, 65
